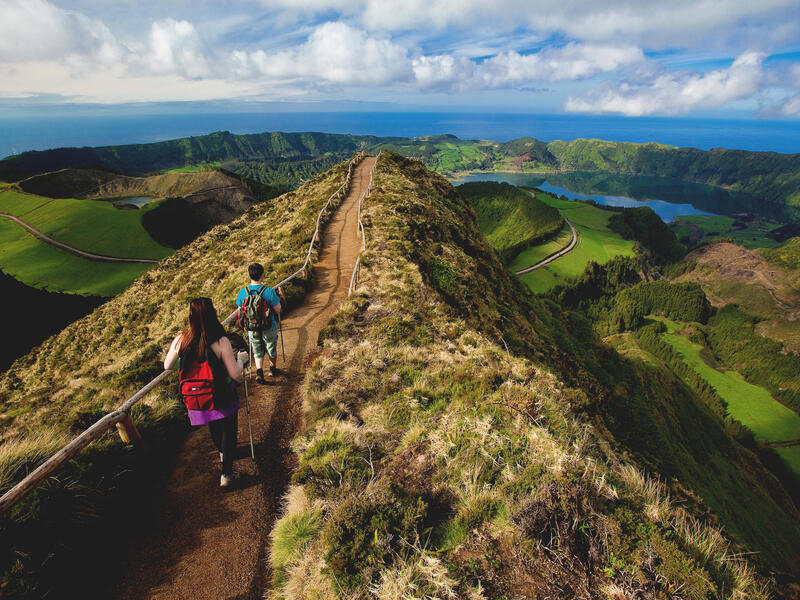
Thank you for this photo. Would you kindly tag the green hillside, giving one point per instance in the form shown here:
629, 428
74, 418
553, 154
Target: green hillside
90, 225
773, 178
769, 182
58, 536
429, 453
463, 438
509, 217
596, 243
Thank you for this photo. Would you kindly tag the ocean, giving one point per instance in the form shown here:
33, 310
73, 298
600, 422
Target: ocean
40, 133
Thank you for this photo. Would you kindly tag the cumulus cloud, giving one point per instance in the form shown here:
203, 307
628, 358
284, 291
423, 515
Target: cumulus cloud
38, 30
336, 53
174, 47
675, 92
392, 45
689, 23
574, 61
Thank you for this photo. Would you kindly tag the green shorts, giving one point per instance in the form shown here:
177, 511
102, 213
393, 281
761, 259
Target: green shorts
264, 342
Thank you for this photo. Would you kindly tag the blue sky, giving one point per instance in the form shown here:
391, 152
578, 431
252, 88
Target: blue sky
628, 57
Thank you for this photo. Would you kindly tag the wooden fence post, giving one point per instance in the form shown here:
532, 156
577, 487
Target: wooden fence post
129, 434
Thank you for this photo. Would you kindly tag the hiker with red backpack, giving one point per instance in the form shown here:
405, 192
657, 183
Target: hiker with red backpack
259, 307
207, 381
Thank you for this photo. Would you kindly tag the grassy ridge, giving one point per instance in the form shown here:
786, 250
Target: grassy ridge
771, 181
53, 540
509, 217
436, 463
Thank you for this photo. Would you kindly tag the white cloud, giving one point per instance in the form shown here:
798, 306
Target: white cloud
443, 71
339, 53
688, 23
676, 92
573, 61
174, 47
38, 30
387, 48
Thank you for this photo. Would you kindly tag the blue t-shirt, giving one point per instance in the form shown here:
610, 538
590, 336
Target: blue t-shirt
267, 294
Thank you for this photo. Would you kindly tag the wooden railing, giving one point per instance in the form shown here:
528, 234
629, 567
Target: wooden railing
121, 417
357, 267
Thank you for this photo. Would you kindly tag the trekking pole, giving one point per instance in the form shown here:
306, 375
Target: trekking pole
247, 403
280, 328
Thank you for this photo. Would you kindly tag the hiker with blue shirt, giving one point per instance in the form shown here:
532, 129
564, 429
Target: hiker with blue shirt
259, 306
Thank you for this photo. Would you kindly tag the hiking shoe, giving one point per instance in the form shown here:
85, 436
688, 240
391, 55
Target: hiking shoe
274, 371
226, 481
260, 379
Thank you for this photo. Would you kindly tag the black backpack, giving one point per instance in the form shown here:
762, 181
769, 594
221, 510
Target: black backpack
255, 313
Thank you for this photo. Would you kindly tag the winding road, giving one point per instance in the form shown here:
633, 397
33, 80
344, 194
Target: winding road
556, 255
72, 249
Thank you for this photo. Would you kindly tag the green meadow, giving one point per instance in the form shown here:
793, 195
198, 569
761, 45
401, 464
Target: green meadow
91, 225
534, 254
596, 242
752, 405
755, 235
41, 265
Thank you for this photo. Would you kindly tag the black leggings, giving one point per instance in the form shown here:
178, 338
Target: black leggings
224, 432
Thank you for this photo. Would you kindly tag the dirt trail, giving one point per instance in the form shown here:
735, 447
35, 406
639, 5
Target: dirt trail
206, 543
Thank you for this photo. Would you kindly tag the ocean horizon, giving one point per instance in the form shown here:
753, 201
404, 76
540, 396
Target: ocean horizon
18, 135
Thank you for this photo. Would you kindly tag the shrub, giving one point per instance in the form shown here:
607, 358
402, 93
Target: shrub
363, 532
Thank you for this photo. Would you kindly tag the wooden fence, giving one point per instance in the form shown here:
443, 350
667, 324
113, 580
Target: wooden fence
121, 418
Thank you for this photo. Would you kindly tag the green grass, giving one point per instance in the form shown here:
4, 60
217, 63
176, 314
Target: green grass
752, 405
206, 166
534, 254
91, 225
43, 266
596, 242
791, 457
787, 255
509, 217
755, 235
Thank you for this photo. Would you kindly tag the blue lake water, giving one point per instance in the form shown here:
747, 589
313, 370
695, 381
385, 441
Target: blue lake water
103, 128
138, 201
666, 210
666, 197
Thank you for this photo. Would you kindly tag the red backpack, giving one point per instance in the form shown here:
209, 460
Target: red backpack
203, 386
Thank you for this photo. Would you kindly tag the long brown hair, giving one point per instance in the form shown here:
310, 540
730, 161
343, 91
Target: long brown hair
204, 330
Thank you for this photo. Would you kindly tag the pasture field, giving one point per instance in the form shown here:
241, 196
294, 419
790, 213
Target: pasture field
596, 242
753, 405
700, 228
92, 225
38, 264
452, 157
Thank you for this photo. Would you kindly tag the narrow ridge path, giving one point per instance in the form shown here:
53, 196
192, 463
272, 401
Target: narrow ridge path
206, 543
72, 249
